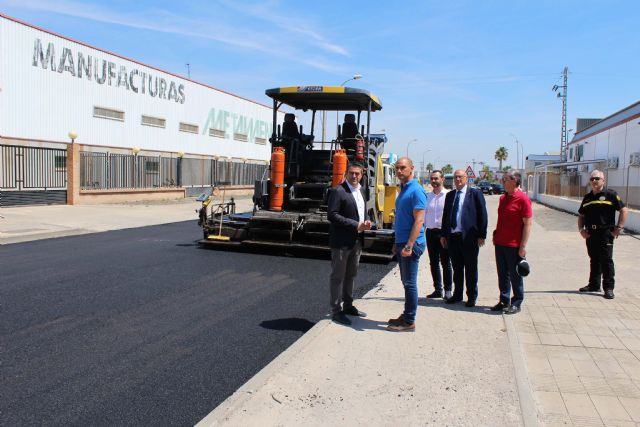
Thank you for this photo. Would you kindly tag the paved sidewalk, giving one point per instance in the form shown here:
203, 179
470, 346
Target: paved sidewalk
582, 352
566, 359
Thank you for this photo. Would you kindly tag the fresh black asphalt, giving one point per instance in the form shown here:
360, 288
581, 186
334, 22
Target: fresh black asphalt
143, 327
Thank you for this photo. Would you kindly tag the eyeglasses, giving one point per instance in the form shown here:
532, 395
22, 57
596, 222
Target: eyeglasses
595, 178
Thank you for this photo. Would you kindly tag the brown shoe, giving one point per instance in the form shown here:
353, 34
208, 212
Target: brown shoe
402, 327
397, 321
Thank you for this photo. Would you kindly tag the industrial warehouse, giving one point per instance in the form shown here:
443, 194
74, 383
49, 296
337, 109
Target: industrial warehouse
130, 130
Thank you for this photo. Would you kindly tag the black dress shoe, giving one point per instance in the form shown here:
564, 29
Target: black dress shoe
341, 318
499, 306
453, 300
589, 289
608, 294
352, 311
513, 309
470, 304
435, 294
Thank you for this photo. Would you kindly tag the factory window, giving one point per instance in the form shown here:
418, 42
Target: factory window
571, 153
107, 113
154, 121
579, 152
261, 141
240, 137
218, 133
186, 127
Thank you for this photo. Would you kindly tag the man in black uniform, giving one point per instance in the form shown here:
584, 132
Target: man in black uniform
597, 225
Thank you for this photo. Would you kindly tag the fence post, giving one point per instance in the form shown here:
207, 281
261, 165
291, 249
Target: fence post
179, 169
73, 173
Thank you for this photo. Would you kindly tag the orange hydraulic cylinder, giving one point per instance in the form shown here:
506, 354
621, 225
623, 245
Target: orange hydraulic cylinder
339, 167
360, 150
276, 191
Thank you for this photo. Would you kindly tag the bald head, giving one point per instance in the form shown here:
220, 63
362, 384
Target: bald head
404, 169
406, 159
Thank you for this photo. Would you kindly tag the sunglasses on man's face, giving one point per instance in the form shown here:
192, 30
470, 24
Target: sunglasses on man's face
594, 178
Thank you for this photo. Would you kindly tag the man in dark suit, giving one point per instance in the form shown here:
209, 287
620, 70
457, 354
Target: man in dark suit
347, 214
464, 230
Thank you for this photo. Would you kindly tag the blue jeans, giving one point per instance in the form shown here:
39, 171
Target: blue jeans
506, 260
409, 276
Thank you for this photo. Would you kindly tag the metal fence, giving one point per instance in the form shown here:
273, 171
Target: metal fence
33, 168
108, 170
572, 181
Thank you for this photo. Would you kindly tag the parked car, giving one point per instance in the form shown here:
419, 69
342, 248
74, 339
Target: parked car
485, 186
497, 188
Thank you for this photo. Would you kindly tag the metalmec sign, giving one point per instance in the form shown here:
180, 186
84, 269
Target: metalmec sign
103, 71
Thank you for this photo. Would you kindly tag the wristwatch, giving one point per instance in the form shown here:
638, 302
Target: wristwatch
619, 227
408, 247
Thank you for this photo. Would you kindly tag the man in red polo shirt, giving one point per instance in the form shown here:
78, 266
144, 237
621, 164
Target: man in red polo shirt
510, 240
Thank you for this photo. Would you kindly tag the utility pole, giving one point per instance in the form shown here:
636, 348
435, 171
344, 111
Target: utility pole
189, 71
563, 96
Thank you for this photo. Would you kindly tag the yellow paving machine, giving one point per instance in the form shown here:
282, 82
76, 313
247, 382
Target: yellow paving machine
290, 201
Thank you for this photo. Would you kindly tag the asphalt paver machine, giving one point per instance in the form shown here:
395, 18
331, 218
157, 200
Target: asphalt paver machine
290, 201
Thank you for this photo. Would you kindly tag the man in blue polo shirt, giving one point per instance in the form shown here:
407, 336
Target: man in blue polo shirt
410, 242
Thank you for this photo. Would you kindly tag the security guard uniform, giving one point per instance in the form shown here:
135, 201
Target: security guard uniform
599, 211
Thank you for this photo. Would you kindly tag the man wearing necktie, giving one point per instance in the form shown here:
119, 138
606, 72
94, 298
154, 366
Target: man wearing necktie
464, 230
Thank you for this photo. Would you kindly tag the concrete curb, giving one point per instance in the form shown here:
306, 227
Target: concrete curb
233, 403
42, 236
525, 394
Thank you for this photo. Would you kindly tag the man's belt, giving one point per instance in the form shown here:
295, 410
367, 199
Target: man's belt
433, 229
600, 227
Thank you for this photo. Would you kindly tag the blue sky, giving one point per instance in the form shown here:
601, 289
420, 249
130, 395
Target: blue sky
461, 77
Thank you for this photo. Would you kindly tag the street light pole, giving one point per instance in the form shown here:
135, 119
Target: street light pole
355, 77
423, 153
408, 144
517, 151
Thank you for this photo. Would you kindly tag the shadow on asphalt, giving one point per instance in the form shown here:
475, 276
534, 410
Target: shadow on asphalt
288, 324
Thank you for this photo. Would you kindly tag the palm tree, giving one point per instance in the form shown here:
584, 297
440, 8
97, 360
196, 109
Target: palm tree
447, 168
488, 175
501, 154
429, 167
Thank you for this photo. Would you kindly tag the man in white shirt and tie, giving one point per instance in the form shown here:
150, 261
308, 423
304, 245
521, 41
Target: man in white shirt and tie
348, 220
438, 255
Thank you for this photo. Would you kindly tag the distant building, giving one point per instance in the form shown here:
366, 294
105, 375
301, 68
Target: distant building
612, 145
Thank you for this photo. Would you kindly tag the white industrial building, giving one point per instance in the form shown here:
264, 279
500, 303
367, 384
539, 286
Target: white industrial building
53, 87
611, 145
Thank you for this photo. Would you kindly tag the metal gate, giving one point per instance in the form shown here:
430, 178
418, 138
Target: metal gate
32, 176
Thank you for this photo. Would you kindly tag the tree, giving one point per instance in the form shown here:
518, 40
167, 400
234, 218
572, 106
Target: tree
429, 167
488, 175
447, 168
506, 168
502, 153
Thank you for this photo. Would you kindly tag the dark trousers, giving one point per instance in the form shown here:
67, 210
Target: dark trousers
344, 268
600, 250
438, 256
464, 257
506, 260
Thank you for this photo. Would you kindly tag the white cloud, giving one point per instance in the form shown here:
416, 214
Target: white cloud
161, 21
